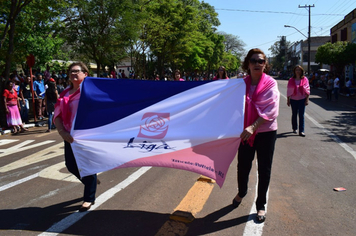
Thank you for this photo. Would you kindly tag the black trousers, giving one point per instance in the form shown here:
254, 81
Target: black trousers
264, 146
90, 182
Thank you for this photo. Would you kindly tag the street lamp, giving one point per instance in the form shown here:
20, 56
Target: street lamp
288, 26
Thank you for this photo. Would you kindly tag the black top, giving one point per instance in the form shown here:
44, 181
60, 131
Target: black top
26, 90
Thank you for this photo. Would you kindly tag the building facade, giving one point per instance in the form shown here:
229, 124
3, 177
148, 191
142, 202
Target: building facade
297, 54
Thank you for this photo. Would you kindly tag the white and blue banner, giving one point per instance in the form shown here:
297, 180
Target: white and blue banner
193, 126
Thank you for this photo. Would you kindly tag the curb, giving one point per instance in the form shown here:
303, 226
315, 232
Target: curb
8, 131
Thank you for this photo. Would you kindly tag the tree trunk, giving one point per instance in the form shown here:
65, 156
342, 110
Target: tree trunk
97, 69
8, 61
10, 50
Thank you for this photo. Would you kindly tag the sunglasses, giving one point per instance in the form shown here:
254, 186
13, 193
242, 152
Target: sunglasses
259, 61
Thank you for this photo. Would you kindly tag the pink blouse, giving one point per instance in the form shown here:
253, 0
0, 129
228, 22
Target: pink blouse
298, 89
66, 108
261, 101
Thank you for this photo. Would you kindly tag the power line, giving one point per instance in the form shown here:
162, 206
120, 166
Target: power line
277, 12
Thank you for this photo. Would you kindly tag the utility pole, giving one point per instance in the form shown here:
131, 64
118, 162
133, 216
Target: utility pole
308, 6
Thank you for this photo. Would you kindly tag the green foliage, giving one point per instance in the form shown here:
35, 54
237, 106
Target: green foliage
34, 31
100, 29
278, 51
338, 54
179, 33
174, 34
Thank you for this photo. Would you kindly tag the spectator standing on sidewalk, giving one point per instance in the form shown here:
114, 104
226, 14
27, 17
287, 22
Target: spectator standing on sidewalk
348, 85
298, 92
26, 97
336, 87
329, 88
50, 100
60, 85
65, 111
39, 93
12, 108
47, 74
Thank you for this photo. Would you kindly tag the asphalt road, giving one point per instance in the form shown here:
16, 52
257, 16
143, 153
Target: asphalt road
39, 197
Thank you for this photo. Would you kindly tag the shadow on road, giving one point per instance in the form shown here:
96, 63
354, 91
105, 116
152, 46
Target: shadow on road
110, 222
210, 223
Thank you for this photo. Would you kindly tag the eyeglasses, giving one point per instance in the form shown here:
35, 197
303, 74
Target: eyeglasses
259, 61
74, 71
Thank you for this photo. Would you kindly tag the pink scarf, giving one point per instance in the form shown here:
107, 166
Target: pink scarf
303, 87
263, 103
62, 107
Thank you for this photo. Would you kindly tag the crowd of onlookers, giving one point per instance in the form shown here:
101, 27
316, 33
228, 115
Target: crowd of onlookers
47, 85
18, 96
333, 83
169, 75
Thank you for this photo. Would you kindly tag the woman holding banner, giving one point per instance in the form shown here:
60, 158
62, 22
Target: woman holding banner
65, 111
260, 129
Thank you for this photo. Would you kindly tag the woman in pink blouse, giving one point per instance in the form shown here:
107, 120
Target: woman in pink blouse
64, 113
260, 129
298, 92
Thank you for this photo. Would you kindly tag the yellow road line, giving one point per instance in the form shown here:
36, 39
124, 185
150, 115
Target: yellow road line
185, 212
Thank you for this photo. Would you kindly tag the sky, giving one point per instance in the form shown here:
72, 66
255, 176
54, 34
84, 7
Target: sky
260, 23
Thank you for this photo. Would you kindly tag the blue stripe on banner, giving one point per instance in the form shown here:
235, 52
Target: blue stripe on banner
103, 101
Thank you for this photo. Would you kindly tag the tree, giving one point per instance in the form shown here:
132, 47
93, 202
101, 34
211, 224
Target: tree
29, 26
339, 54
100, 30
10, 11
279, 50
233, 44
26, 23
179, 33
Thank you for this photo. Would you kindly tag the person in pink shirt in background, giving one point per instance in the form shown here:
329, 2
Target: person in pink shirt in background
177, 76
221, 74
260, 129
298, 92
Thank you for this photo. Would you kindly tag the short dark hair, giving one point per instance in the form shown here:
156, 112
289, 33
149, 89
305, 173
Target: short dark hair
83, 67
8, 83
248, 57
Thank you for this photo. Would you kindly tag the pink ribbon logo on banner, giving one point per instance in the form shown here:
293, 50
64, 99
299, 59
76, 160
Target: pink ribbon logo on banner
155, 125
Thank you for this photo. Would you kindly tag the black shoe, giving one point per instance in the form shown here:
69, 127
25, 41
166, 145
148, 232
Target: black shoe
302, 134
261, 218
82, 208
235, 203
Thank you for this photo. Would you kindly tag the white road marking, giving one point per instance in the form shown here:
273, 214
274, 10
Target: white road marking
20, 181
75, 217
20, 147
42, 155
251, 227
7, 141
331, 134
53, 172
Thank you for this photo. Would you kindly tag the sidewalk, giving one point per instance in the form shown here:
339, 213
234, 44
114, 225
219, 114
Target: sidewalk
348, 101
30, 124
